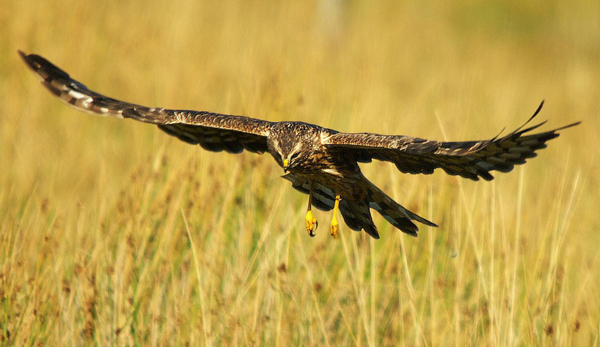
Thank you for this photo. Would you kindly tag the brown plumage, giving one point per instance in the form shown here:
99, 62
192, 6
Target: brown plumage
315, 156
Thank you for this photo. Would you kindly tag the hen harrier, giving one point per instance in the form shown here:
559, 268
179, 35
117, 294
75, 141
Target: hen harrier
320, 162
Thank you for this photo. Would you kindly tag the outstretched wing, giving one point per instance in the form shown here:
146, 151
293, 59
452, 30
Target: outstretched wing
469, 159
213, 131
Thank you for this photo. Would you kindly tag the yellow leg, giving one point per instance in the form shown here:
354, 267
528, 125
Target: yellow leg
334, 221
311, 222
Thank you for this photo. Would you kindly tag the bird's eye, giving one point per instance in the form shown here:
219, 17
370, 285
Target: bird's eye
294, 156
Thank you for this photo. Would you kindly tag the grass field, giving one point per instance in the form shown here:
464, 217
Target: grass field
113, 233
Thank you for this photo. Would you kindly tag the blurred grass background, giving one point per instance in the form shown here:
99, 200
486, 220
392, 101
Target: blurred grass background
113, 233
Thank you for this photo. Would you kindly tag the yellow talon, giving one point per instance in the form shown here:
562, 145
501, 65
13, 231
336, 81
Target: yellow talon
334, 227
334, 220
311, 223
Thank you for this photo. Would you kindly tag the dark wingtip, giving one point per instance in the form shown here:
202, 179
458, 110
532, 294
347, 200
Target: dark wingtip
42, 66
538, 109
567, 126
26, 59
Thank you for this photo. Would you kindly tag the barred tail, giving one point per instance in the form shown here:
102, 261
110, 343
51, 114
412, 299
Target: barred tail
357, 214
393, 212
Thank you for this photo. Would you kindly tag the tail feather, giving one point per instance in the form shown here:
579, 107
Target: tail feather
357, 216
393, 212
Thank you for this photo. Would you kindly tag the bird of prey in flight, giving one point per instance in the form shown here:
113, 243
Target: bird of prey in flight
320, 162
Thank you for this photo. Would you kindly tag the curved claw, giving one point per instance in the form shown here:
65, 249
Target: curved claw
311, 223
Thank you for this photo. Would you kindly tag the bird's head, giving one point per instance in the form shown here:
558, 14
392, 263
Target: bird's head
290, 144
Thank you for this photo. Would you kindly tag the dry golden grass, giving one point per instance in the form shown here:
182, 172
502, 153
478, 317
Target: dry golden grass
113, 233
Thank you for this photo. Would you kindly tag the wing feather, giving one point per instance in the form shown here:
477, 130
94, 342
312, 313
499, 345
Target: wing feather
469, 159
212, 131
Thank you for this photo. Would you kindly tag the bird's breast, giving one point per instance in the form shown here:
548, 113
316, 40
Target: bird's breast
322, 162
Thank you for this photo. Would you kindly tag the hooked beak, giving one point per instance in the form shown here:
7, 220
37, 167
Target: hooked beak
286, 165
